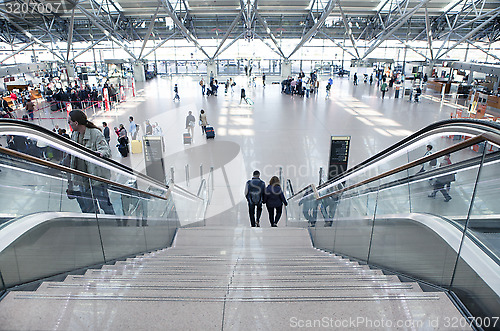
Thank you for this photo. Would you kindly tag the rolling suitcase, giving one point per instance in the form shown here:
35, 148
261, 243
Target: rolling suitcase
210, 132
187, 138
136, 147
123, 149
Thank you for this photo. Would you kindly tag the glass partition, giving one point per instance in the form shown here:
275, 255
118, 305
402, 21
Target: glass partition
55, 219
435, 220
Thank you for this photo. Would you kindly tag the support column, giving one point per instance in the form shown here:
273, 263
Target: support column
211, 70
70, 72
139, 74
471, 78
286, 69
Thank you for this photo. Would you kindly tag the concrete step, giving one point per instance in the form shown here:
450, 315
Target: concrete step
229, 278
101, 312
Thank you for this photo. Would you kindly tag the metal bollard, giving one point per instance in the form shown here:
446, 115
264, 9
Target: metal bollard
187, 174
281, 175
172, 174
320, 175
201, 171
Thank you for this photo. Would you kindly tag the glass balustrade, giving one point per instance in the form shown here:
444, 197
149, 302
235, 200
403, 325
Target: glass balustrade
54, 219
437, 221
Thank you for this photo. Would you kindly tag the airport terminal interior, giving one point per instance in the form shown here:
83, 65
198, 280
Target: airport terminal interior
130, 133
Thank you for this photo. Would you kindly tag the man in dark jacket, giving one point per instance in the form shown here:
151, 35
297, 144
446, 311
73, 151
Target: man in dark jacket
254, 193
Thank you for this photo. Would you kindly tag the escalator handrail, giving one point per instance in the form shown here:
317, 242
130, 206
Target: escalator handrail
464, 144
13, 124
36, 160
484, 125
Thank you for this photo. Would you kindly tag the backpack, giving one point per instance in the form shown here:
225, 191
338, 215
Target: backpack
254, 193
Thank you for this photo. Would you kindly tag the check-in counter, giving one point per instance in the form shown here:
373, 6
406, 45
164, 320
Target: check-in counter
438, 85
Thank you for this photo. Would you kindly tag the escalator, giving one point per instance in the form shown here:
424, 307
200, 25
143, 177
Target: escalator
43, 231
378, 213
435, 222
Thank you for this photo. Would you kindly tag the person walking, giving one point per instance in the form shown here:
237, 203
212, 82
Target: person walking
254, 193
30, 108
432, 163
328, 87
105, 132
243, 96
264, 80
274, 200
355, 79
92, 193
308, 88
190, 120
149, 128
176, 91
203, 121
443, 181
383, 88
122, 141
202, 84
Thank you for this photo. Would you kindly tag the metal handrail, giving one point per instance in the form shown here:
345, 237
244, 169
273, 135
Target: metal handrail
68, 143
467, 143
33, 159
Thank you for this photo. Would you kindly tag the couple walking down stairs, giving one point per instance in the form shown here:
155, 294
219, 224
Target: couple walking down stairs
219, 278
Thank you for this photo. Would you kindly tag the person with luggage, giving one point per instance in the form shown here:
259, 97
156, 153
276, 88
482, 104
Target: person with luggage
90, 136
190, 121
328, 88
122, 141
203, 122
243, 96
254, 193
274, 200
176, 91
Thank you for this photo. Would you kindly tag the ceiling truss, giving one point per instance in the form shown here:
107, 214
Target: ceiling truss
472, 22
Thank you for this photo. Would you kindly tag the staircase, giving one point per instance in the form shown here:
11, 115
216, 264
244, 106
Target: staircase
230, 279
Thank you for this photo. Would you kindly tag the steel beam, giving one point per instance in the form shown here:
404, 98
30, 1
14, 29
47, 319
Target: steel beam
106, 32
482, 49
348, 28
170, 11
429, 32
70, 36
269, 33
86, 49
226, 35
160, 44
472, 32
402, 20
413, 49
267, 44
231, 43
16, 52
30, 36
150, 29
337, 44
328, 9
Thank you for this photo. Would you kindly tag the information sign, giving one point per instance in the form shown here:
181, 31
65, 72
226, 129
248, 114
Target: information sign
339, 154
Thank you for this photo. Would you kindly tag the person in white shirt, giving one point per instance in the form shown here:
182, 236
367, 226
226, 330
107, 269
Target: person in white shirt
132, 128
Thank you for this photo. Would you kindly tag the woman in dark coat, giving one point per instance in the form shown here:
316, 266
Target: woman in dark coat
274, 200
